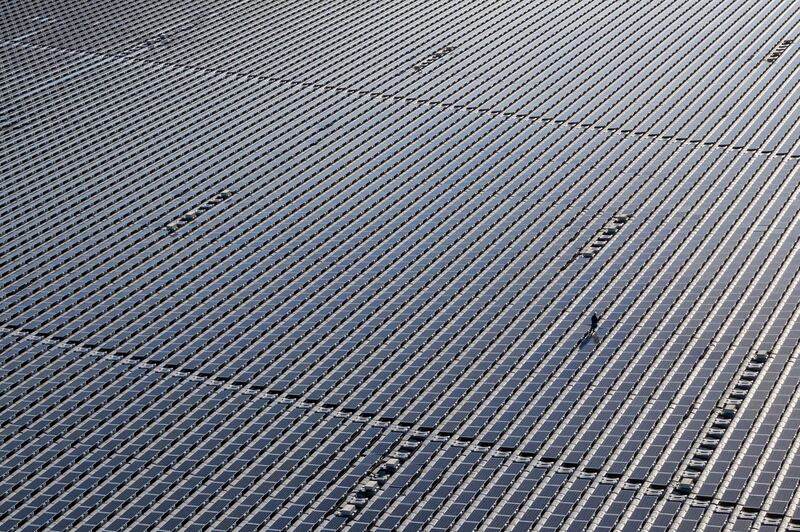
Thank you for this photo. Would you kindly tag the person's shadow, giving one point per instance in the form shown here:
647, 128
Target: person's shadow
591, 336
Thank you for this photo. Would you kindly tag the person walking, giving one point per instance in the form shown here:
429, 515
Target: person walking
593, 327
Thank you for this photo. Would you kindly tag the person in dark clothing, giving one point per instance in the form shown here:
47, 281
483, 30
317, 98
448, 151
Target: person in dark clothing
590, 336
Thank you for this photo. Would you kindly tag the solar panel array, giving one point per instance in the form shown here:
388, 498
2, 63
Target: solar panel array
295, 265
